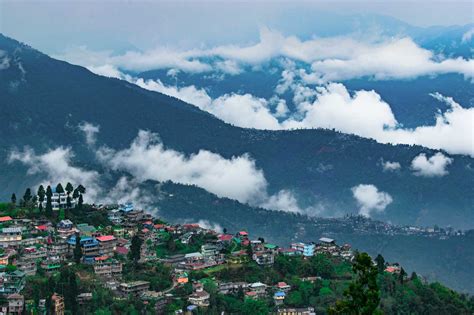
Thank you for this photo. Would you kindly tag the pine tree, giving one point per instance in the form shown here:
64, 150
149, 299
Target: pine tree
380, 263
49, 205
59, 188
77, 249
81, 189
27, 196
41, 194
135, 249
80, 202
69, 188
13, 199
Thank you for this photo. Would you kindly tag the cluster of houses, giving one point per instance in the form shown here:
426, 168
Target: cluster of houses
28, 247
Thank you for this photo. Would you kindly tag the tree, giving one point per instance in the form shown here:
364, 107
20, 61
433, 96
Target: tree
80, 202
59, 188
250, 251
68, 202
13, 198
81, 189
41, 194
380, 263
75, 194
69, 188
402, 275
49, 205
362, 296
135, 249
27, 196
77, 249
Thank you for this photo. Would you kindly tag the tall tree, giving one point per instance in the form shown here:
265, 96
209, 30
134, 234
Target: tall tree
77, 249
13, 199
68, 202
41, 194
49, 203
59, 188
80, 202
27, 196
69, 188
362, 297
81, 189
380, 263
135, 249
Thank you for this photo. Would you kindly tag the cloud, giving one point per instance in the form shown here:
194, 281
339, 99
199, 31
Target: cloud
90, 132
370, 199
331, 58
208, 225
148, 159
56, 165
127, 190
4, 60
390, 166
466, 37
434, 166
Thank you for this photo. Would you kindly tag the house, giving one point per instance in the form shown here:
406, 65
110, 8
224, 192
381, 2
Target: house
134, 288
194, 258
89, 246
86, 229
279, 297
58, 304
325, 241
51, 264
232, 287
264, 257
305, 249
200, 297
296, 311
260, 289
126, 207
282, 286
395, 268
5, 219
211, 254
107, 267
10, 236
182, 278
115, 216
84, 298
12, 282
16, 303
57, 247
65, 228
107, 244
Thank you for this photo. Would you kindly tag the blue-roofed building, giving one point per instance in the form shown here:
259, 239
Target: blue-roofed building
127, 207
279, 297
306, 249
89, 245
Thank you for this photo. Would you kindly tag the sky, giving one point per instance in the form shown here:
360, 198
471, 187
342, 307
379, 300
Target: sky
54, 26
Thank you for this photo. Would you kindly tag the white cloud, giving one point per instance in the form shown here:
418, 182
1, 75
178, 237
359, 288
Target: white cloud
208, 225
56, 165
434, 166
333, 58
370, 199
466, 37
90, 132
390, 166
128, 190
4, 60
147, 158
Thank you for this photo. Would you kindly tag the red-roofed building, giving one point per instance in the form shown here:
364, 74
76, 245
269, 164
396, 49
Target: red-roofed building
42, 228
5, 219
107, 244
159, 226
225, 237
191, 226
243, 233
121, 250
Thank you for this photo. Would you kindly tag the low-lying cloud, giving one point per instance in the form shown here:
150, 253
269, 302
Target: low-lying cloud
389, 166
370, 199
434, 166
90, 132
331, 58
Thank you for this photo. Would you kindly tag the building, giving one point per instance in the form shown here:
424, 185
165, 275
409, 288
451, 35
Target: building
58, 247
305, 249
264, 257
11, 282
134, 288
65, 228
325, 241
107, 267
259, 289
16, 303
89, 246
279, 297
10, 236
296, 311
199, 297
51, 264
58, 304
59, 200
86, 229
107, 244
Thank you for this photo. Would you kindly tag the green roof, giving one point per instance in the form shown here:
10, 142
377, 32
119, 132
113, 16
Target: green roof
270, 246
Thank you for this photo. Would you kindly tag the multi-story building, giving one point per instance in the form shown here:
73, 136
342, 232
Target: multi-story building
107, 244
16, 303
305, 249
59, 200
51, 264
58, 247
134, 288
11, 282
107, 267
199, 297
89, 246
65, 228
10, 236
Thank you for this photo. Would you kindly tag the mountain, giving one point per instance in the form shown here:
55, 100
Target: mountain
44, 100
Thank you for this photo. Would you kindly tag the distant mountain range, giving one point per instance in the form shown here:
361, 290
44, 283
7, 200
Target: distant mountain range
45, 100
